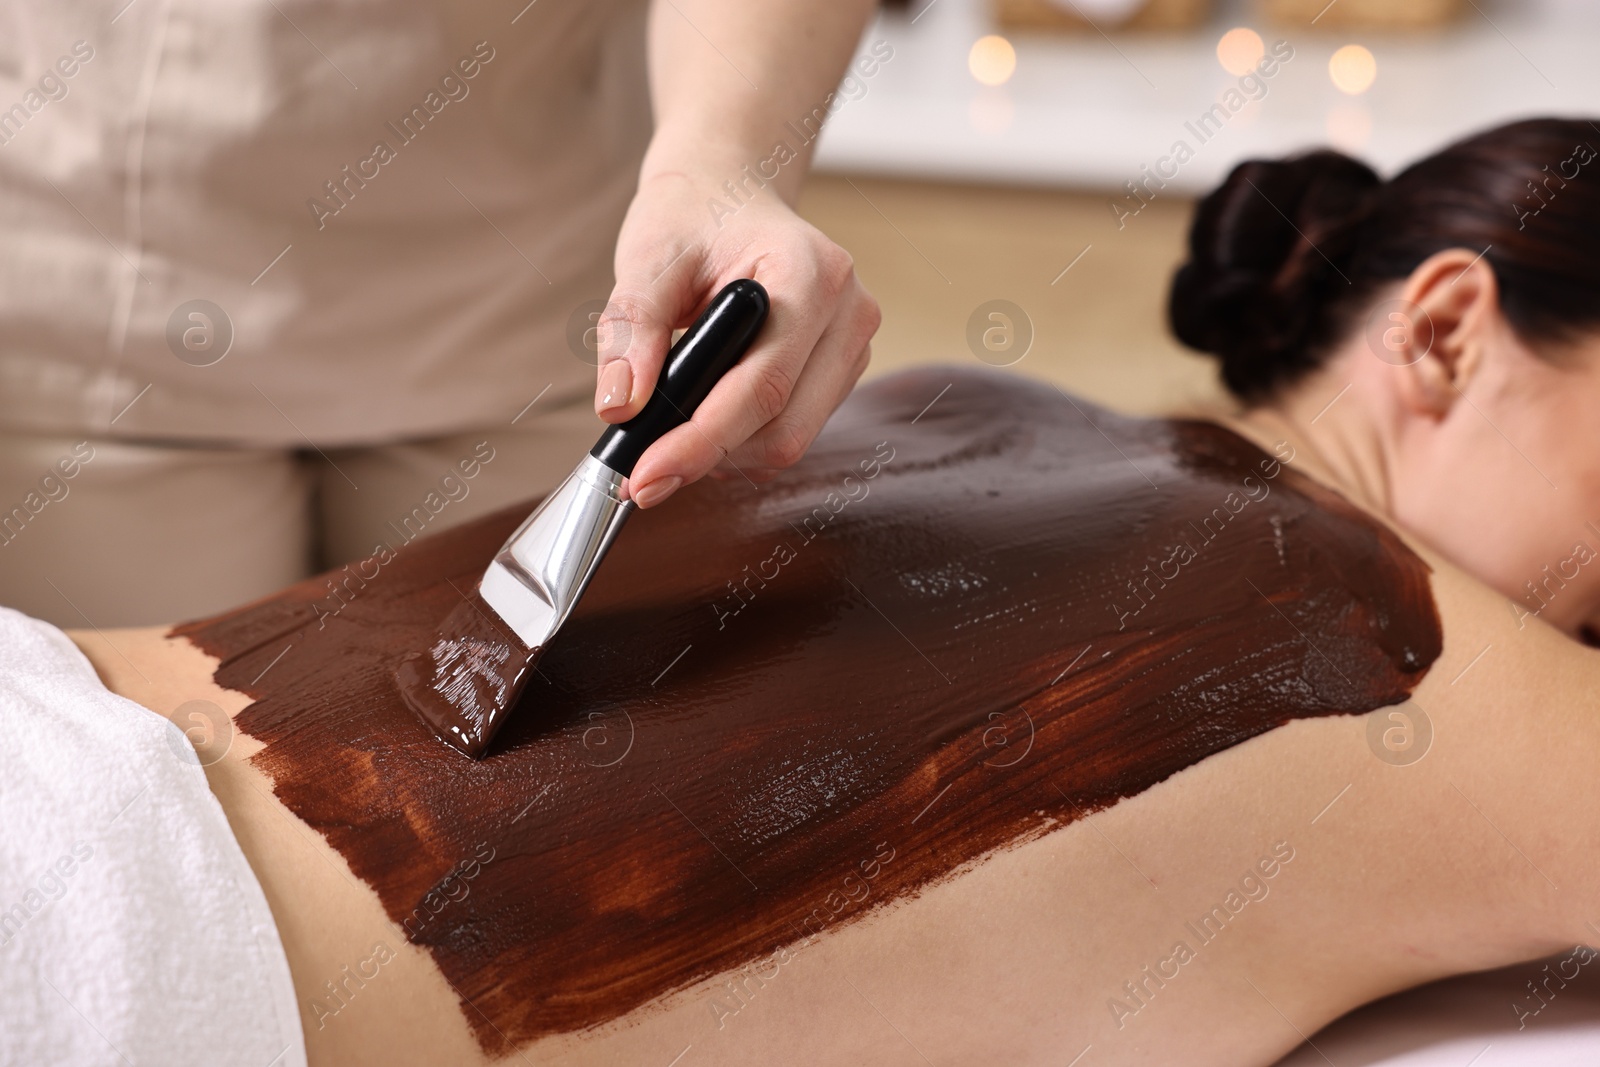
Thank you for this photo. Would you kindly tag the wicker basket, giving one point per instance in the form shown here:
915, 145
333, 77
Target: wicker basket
1062, 15
1364, 14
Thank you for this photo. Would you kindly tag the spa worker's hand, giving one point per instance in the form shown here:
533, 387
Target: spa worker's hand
685, 236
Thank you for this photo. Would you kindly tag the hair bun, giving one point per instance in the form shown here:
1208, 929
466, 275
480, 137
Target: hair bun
1264, 250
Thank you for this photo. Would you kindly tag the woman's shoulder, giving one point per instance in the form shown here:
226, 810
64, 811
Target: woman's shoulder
1500, 658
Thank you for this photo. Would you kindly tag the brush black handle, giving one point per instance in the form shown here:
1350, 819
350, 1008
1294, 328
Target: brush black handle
722, 334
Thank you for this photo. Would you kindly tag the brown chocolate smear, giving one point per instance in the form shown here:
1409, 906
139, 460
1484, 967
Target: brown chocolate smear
468, 677
951, 628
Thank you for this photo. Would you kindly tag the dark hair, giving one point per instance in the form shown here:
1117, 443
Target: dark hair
1287, 254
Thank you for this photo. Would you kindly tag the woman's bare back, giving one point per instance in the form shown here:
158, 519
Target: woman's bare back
863, 779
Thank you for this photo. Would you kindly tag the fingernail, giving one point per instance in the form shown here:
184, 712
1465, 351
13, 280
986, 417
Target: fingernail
647, 496
615, 387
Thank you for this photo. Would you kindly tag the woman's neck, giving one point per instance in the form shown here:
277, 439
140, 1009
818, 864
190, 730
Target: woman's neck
1335, 426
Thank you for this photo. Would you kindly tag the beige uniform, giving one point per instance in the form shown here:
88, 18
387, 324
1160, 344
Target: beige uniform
283, 264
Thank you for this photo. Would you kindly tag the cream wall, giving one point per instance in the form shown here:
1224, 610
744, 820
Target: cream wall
933, 252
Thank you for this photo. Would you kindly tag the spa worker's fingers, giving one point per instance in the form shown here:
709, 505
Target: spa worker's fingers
767, 410
715, 203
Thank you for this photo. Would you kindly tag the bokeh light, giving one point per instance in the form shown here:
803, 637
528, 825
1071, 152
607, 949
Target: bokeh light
992, 60
1353, 69
1240, 50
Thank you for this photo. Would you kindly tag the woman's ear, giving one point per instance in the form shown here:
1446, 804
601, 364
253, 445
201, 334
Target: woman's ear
1450, 308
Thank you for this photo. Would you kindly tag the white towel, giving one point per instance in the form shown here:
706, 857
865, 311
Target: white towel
132, 930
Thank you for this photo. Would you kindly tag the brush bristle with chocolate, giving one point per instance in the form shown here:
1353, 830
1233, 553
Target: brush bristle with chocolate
468, 678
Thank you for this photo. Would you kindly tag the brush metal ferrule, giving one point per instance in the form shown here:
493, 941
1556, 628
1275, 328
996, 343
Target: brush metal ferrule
542, 570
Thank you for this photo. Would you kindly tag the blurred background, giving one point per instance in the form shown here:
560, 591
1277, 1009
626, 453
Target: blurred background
1026, 151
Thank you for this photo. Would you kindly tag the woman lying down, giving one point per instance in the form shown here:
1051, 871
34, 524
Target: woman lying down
1004, 729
